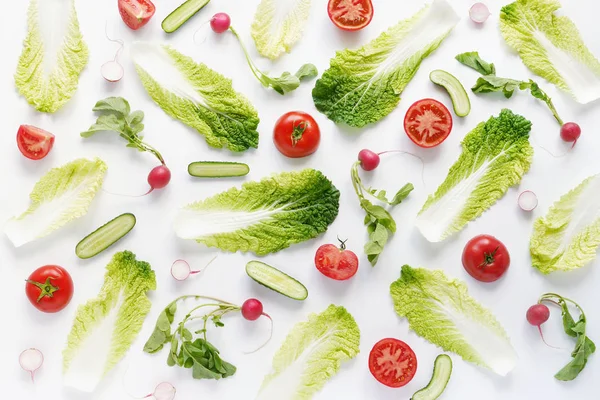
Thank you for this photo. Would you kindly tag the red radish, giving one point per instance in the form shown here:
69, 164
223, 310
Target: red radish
220, 22
252, 309
181, 270
527, 200
479, 13
570, 132
159, 177
163, 391
31, 360
369, 160
536, 315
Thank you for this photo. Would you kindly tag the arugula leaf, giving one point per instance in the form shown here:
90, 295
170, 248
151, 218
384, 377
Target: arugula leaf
471, 59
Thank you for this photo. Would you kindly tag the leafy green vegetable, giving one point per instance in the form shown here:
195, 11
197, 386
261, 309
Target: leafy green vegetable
584, 347
59, 197
363, 86
278, 25
311, 354
196, 354
440, 310
263, 217
491, 83
105, 327
551, 47
380, 223
286, 82
197, 96
48, 70
569, 235
496, 155
117, 117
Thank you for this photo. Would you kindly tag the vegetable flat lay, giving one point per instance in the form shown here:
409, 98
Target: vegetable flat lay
300, 200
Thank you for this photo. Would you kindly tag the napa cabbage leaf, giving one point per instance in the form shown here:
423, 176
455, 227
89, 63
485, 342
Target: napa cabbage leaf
551, 47
441, 311
263, 217
495, 156
569, 235
54, 54
312, 354
363, 86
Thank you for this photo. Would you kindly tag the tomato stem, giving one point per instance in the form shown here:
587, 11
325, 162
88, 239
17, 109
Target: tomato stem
46, 288
342, 243
488, 258
297, 132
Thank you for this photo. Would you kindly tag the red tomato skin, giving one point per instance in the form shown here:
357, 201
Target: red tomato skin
366, 5
408, 361
474, 258
428, 103
136, 13
335, 262
30, 138
306, 144
59, 279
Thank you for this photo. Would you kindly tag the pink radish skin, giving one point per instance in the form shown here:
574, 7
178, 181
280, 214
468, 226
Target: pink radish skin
220, 22
570, 132
369, 160
536, 315
159, 177
252, 309
31, 360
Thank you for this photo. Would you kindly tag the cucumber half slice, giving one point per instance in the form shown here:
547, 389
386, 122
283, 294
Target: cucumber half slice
276, 280
442, 369
181, 14
457, 92
105, 236
217, 169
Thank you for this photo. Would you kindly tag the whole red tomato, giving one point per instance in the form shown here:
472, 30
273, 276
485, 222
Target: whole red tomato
296, 134
49, 288
485, 258
136, 13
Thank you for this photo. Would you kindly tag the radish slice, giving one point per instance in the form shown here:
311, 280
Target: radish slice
164, 391
31, 360
527, 201
180, 270
479, 13
112, 71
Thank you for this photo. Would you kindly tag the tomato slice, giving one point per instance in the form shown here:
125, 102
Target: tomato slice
336, 263
428, 123
136, 13
34, 143
392, 362
350, 15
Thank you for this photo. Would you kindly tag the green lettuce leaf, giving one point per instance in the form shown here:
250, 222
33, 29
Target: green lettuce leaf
551, 47
311, 354
105, 327
263, 217
569, 235
496, 155
278, 25
48, 70
363, 86
61, 196
441, 311
197, 96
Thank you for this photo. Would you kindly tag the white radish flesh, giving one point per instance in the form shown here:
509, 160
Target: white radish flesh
31, 360
479, 13
527, 201
164, 391
112, 71
180, 270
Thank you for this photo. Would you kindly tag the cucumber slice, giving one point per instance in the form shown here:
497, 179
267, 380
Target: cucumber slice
457, 92
442, 369
181, 14
276, 280
217, 169
105, 236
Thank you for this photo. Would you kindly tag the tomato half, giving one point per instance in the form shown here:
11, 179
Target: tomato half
136, 13
392, 362
428, 123
485, 258
336, 262
296, 134
49, 288
34, 143
350, 15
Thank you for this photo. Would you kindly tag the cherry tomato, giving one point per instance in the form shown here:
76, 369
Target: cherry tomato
136, 13
296, 134
392, 362
485, 258
336, 262
428, 123
350, 15
34, 143
49, 288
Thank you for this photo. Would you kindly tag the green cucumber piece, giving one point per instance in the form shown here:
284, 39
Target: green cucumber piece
457, 92
442, 369
276, 280
105, 236
217, 169
181, 14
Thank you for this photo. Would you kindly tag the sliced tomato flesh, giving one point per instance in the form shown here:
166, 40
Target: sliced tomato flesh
350, 15
34, 143
392, 362
428, 123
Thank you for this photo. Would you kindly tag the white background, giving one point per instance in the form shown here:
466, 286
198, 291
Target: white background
366, 296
